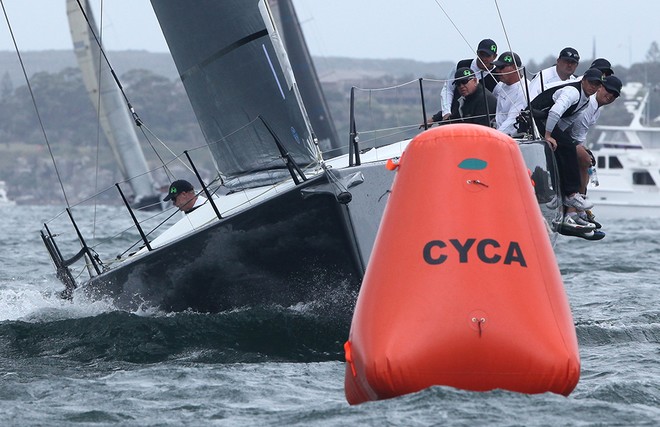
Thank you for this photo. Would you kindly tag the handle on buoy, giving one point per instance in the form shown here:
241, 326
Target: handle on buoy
392, 164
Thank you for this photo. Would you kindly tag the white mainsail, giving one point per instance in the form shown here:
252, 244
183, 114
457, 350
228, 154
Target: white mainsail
114, 116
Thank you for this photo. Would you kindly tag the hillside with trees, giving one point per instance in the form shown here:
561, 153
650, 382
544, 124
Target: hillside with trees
69, 122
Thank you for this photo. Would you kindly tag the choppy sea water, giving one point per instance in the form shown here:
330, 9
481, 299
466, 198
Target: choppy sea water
85, 363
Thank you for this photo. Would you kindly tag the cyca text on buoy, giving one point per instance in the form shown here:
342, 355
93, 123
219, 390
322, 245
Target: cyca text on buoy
487, 251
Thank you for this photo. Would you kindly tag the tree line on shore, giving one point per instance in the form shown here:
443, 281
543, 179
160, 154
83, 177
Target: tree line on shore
71, 125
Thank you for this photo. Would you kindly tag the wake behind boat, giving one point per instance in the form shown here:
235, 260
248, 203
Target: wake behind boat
281, 225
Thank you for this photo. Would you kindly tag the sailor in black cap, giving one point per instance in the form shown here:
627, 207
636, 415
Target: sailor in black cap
566, 103
609, 91
183, 195
474, 103
561, 72
603, 65
486, 54
510, 92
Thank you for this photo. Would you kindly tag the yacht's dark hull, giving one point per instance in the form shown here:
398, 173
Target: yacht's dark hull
301, 246
288, 250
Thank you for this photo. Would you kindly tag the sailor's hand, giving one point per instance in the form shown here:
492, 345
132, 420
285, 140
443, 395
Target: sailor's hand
551, 141
429, 123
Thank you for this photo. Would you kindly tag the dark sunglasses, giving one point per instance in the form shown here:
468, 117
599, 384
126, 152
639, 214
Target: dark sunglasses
462, 82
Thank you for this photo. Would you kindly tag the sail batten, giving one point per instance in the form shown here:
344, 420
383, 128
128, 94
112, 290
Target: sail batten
223, 52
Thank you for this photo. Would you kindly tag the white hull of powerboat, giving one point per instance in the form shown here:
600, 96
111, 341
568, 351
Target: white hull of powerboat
628, 168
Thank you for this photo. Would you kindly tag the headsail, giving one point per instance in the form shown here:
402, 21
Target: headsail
310, 86
116, 122
236, 74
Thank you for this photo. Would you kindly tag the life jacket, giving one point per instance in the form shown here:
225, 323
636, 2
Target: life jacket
541, 105
543, 102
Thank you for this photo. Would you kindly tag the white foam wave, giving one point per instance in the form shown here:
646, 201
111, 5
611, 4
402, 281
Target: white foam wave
30, 304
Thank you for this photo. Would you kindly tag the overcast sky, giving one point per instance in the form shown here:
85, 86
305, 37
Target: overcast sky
416, 29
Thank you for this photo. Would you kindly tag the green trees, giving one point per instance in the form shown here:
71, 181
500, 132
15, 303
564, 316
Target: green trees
70, 121
68, 114
71, 125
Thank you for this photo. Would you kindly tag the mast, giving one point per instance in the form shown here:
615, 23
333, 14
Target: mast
116, 122
307, 77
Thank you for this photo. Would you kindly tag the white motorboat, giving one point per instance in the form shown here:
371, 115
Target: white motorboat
628, 164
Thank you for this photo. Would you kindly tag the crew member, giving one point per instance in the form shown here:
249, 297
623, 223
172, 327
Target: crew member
183, 195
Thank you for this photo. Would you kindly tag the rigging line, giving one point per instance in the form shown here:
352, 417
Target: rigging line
134, 114
98, 126
508, 43
428, 79
400, 129
111, 238
453, 23
460, 33
107, 61
506, 35
380, 89
463, 37
523, 80
177, 157
34, 101
146, 134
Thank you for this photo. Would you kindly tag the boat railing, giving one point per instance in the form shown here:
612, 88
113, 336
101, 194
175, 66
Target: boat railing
382, 116
134, 224
390, 114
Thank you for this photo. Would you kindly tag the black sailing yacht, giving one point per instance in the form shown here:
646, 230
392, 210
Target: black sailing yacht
282, 231
281, 225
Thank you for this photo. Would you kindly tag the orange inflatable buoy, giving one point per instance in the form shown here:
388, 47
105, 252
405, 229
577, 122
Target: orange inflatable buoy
462, 287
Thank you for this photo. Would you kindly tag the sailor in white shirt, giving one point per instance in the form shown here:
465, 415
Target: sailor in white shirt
561, 72
510, 92
606, 94
586, 119
567, 103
